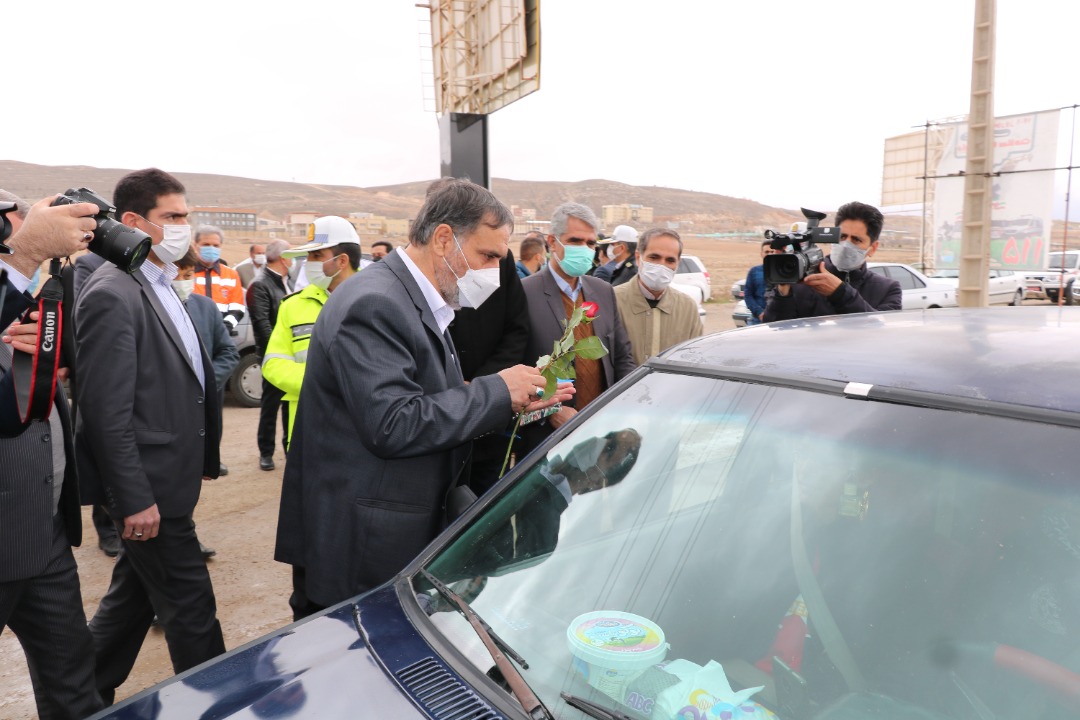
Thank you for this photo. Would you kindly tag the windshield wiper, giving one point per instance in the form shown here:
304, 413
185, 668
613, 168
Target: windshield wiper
499, 651
592, 709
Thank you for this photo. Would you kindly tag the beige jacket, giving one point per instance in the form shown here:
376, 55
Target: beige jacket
674, 320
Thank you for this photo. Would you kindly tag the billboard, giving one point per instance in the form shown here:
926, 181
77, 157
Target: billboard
1021, 202
485, 53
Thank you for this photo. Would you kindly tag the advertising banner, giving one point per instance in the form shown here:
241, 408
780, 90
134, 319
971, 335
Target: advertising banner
1022, 202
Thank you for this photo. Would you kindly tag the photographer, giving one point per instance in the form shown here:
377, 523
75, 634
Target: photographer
843, 283
38, 234
40, 598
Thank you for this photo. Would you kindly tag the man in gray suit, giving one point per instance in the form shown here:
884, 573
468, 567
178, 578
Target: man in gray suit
386, 421
552, 295
147, 435
40, 598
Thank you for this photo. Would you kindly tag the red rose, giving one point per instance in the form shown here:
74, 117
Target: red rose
591, 309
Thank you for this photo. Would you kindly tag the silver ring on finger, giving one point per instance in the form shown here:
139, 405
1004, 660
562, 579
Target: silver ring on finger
138, 534
88, 236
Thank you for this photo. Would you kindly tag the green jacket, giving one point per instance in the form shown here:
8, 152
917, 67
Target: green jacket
286, 352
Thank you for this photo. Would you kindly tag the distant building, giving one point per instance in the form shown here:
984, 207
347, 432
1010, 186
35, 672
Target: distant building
522, 214
234, 221
296, 223
528, 226
397, 227
626, 213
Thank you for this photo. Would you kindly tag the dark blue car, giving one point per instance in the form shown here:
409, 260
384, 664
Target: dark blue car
870, 516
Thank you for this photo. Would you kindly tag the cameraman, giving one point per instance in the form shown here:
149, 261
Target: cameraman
843, 283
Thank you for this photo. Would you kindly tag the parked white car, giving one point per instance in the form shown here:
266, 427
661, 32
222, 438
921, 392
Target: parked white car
1006, 286
692, 272
920, 292
694, 292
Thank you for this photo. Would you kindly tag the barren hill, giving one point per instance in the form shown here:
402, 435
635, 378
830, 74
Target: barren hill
275, 199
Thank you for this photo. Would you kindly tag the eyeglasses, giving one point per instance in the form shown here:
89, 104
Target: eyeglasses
580, 241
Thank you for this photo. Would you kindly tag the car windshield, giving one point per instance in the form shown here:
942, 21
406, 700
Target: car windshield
703, 522
1056, 260
946, 273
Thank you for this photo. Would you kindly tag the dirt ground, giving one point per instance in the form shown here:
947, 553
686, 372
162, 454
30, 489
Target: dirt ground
237, 516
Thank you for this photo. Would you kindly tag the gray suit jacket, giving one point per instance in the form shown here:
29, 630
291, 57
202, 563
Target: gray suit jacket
546, 317
210, 326
547, 314
147, 432
26, 500
383, 429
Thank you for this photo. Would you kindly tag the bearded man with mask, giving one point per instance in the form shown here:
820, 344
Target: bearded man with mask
552, 295
147, 435
385, 429
655, 316
843, 283
333, 256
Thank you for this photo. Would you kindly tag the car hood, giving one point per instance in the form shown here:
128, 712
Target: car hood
324, 666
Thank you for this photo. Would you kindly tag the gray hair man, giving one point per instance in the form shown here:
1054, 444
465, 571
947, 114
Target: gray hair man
215, 279
657, 316
553, 294
387, 419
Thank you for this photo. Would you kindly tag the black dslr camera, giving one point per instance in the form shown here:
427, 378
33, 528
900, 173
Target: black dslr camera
123, 246
5, 226
806, 258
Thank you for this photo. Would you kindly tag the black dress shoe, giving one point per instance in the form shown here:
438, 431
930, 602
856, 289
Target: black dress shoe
223, 470
110, 545
266, 462
207, 552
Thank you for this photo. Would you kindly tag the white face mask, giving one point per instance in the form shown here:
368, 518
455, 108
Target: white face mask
610, 252
655, 277
315, 275
175, 242
475, 286
259, 260
847, 257
183, 288
586, 454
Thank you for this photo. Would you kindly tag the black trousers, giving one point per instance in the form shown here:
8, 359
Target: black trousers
299, 602
167, 577
269, 408
46, 615
102, 522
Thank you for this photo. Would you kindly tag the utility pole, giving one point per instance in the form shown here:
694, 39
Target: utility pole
978, 185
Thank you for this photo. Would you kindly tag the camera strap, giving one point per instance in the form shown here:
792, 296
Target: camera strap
35, 375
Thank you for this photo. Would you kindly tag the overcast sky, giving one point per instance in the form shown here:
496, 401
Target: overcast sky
785, 102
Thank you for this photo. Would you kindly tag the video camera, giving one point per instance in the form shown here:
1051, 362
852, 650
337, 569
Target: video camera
125, 247
806, 257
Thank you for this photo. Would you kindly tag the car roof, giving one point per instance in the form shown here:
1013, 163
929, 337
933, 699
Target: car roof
1000, 359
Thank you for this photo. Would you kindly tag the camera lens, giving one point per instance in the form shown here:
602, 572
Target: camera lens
125, 247
786, 269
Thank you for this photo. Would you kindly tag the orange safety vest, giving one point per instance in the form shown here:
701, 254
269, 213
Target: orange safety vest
221, 284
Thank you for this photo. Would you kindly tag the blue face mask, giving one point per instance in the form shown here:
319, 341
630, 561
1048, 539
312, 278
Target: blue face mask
210, 254
577, 259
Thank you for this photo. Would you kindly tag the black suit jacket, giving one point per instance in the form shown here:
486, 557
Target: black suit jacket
147, 432
264, 297
15, 304
26, 501
383, 428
